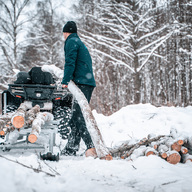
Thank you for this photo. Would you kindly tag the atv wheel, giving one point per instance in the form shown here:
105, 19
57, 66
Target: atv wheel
63, 115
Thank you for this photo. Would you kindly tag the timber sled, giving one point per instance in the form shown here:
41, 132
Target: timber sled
32, 116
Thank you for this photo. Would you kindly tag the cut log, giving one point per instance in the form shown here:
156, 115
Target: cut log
162, 149
150, 151
2, 124
31, 114
173, 145
40, 119
180, 138
184, 150
163, 155
188, 144
154, 145
7, 127
2, 132
18, 119
173, 157
186, 158
128, 149
101, 149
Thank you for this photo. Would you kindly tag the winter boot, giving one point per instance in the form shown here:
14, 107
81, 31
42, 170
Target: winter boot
68, 152
91, 153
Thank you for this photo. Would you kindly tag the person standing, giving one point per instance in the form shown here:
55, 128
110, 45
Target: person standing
78, 68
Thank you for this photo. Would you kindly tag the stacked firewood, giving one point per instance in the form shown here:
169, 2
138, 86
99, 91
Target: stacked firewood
23, 117
174, 148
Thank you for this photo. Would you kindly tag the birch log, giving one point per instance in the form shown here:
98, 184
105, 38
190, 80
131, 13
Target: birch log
31, 114
173, 144
184, 150
173, 157
7, 127
101, 149
40, 119
150, 151
163, 149
18, 119
186, 158
180, 139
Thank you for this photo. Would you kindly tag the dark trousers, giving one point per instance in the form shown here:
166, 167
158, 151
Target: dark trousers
78, 125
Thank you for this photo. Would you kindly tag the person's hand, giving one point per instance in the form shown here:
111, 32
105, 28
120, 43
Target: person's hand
64, 86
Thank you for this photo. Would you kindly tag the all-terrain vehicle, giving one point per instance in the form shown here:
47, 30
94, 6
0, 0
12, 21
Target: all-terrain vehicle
50, 98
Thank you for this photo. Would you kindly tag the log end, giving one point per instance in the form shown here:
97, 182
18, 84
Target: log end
2, 133
18, 122
175, 146
107, 157
155, 146
164, 155
32, 138
180, 142
150, 153
184, 150
174, 158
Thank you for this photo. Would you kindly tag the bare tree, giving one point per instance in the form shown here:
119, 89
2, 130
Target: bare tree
12, 21
45, 37
128, 41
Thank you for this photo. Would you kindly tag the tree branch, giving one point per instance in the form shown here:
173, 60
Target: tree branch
29, 167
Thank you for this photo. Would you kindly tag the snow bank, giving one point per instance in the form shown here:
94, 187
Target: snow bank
87, 174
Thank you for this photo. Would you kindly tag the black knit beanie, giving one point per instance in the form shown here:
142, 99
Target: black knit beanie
70, 27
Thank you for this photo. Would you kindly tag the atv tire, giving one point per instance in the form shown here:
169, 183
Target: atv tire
63, 115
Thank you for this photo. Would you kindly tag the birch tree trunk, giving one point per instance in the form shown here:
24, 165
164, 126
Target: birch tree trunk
92, 127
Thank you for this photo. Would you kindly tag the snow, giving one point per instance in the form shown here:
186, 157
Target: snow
87, 174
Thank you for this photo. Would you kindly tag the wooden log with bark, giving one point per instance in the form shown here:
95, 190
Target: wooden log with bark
186, 158
173, 157
173, 144
163, 149
174, 148
7, 127
18, 119
40, 119
127, 149
31, 114
184, 150
150, 151
101, 149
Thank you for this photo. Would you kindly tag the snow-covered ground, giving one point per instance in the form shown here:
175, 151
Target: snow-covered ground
82, 174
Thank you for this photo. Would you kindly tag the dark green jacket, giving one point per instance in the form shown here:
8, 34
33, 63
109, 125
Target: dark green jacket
78, 63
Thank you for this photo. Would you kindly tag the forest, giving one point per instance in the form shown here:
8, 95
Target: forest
141, 49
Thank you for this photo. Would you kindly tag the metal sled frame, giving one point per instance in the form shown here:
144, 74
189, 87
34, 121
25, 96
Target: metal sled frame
45, 142
48, 132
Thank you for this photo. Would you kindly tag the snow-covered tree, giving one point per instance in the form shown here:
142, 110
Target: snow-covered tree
129, 45
13, 20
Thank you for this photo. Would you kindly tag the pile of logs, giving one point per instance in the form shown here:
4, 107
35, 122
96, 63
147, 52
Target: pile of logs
174, 148
23, 117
